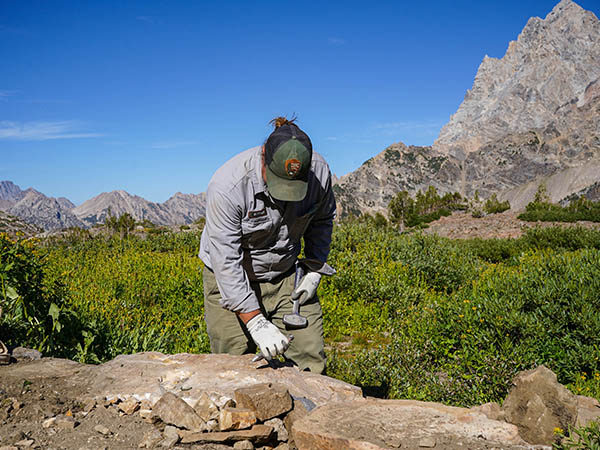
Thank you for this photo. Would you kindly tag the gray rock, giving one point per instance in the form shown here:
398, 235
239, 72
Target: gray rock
65, 422
267, 400
26, 354
278, 428
537, 404
243, 445
170, 437
173, 410
151, 438
588, 410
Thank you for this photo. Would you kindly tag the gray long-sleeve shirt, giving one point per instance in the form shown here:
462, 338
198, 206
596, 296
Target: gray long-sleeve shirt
249, 236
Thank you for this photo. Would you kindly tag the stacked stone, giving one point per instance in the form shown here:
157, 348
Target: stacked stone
259, 416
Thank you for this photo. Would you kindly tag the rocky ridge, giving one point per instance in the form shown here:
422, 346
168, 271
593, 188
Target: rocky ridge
531, 115
52, 213
219, 402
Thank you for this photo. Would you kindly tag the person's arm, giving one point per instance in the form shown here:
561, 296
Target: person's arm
223, 225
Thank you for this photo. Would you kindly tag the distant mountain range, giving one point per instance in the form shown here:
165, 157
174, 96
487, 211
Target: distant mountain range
52, 213
532, 116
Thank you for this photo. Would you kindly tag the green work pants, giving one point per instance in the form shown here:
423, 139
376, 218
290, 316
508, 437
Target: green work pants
229, 335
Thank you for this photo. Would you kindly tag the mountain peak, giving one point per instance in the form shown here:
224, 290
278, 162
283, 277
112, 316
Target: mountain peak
551, 64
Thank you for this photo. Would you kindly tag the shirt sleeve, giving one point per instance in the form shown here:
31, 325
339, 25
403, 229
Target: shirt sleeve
317, 237
223, 224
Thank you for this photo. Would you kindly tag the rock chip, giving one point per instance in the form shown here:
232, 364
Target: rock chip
151, 438
258, 434
172, 410
25, 443
236, 418
129, 406
170, 437
102, 430
212, 425
383, 424
49, 422
537, 404
65, 422
267, 400
243, 445
89, 405
279, 428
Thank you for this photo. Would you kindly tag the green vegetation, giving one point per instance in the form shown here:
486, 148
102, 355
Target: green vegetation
587, 438
406, 316
424, 208
541, 209
494, 206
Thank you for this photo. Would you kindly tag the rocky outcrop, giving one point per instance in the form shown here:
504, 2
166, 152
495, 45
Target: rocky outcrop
370, 188
385, 424
10, 194
46, 212
548, 68
12, 225
539, 405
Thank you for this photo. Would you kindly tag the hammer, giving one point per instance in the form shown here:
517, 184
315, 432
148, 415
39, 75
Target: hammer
295, 320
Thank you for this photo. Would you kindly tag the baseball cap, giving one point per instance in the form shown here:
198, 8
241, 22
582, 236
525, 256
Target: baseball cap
288, 154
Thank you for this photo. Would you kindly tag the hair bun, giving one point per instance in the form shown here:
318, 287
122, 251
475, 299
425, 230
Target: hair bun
280, 121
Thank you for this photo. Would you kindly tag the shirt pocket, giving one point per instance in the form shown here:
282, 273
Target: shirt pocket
300, 223
257, 232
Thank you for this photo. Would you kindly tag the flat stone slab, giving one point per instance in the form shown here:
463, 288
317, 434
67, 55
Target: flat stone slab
147, 376
375, 424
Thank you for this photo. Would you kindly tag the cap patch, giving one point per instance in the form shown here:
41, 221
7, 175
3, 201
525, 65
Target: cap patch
292, 167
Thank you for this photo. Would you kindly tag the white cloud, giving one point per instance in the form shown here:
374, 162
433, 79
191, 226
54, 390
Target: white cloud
43, 131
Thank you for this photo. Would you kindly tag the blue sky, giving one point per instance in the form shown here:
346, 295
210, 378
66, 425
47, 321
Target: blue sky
152, 96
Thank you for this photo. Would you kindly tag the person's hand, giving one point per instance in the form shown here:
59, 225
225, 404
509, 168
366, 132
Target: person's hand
308, 285
267, 336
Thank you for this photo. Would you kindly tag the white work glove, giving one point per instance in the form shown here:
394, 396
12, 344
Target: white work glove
309, 284
267, 336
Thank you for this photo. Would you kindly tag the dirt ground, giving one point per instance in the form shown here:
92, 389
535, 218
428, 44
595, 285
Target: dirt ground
26, 403
504, 225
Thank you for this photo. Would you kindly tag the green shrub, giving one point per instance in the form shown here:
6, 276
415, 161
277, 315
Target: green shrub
494, 206
544, 211
35, 312
424, 208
